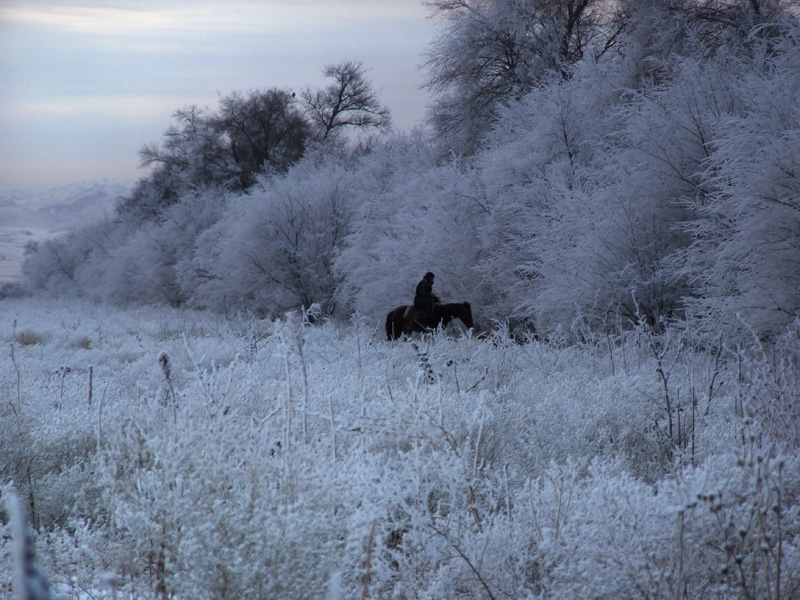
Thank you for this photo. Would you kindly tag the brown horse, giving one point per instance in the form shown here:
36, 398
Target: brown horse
397, 324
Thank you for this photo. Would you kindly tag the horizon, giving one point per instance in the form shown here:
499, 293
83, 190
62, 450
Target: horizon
35, 187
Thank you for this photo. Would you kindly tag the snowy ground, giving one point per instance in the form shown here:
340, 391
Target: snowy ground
174, 453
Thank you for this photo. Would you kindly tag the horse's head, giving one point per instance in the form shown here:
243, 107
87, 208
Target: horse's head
444, 313
465, 314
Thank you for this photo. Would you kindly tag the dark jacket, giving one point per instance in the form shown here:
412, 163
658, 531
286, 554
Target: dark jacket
424, 296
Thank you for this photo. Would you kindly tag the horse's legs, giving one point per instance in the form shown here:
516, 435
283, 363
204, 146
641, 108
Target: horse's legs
398, 328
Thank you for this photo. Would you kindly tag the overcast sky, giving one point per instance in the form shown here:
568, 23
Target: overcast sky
85, 83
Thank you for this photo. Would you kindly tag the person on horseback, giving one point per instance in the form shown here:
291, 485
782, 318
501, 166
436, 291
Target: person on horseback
424, 299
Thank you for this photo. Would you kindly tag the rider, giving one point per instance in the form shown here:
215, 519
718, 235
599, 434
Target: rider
425, 298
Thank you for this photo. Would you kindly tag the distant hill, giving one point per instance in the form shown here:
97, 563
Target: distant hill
60, 208
30, 213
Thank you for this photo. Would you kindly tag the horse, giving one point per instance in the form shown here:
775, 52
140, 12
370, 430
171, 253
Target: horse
397, 324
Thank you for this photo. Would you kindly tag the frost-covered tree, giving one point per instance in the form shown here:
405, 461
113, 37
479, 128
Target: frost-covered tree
535, 165
412, 217
54, 266
589, 188
728, 25
630, 225
273, 249
143, 267
373, 260
494, 51
747, 247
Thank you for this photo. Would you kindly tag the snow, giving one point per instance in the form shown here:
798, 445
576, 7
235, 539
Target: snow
256, 464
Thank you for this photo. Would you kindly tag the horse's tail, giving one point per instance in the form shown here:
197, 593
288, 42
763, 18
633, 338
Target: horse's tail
389, 325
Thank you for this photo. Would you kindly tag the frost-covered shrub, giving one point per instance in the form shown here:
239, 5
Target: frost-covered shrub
723, 530
46, 443
273, 249
51, 267
770, 388
146, 264
244, 457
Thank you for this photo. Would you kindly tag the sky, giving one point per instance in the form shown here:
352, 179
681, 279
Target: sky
84, 84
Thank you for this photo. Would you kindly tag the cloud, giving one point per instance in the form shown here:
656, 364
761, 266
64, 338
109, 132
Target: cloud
102, 106
136, 19
78, 73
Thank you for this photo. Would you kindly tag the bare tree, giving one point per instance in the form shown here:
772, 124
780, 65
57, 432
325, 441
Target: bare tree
731, 23
262, 129
349, 101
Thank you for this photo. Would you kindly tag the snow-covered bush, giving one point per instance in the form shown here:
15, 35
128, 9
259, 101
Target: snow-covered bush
747, 245
183, 454
273, 249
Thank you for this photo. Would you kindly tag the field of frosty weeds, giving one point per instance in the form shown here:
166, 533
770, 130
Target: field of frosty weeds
167, 453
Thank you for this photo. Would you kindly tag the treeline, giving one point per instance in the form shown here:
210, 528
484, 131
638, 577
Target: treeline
588, 164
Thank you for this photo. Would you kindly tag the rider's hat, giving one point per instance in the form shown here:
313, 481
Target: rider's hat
428, 275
